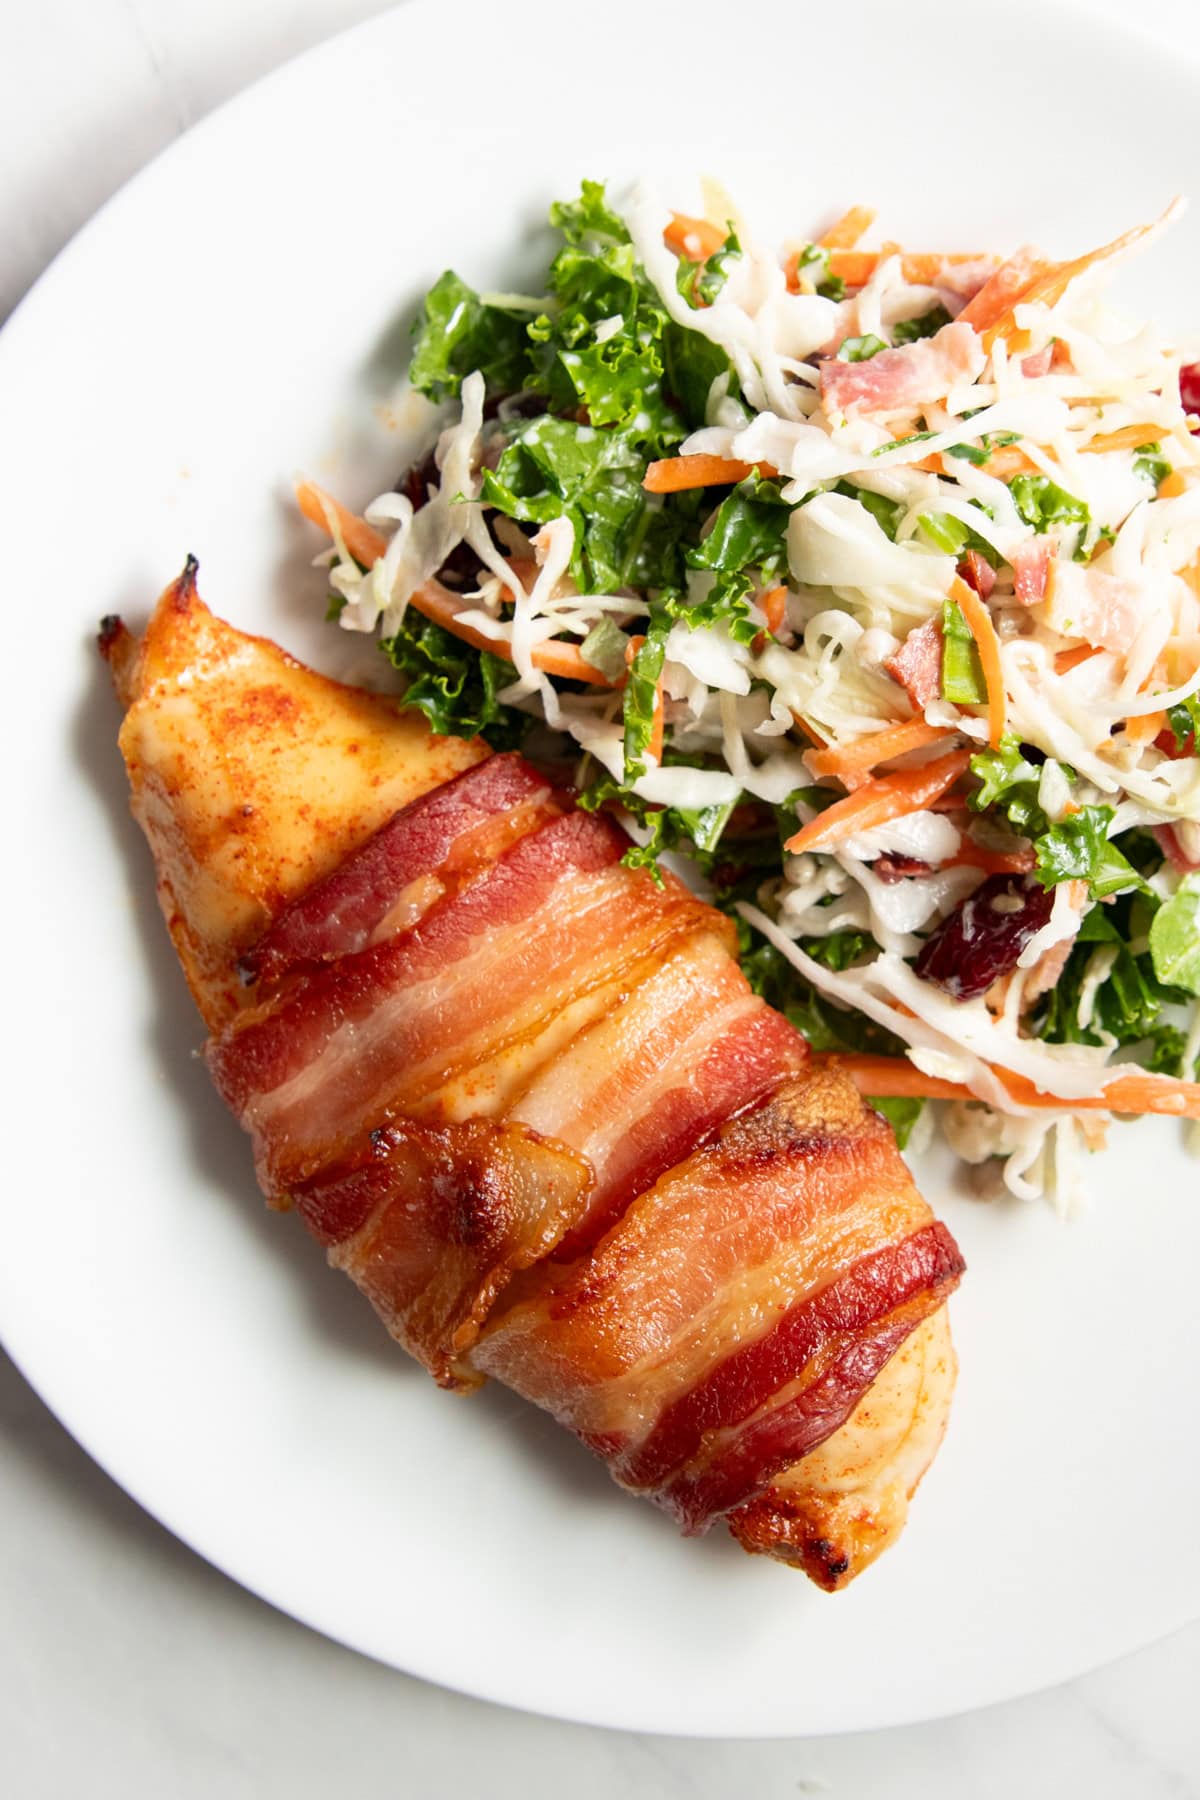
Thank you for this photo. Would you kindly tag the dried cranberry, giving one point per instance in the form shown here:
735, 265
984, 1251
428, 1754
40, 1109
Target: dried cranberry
1169, 744
1189, 387
982, 938
420, 478
460, 569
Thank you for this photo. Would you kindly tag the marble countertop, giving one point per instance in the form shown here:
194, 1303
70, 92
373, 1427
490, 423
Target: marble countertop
130, 1667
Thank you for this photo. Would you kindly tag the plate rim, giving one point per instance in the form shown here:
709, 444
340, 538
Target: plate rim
59, 269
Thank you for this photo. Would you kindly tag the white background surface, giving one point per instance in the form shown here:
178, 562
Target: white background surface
128, 1667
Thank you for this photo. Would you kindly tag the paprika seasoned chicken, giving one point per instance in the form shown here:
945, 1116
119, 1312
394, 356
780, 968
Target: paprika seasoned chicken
526, 1099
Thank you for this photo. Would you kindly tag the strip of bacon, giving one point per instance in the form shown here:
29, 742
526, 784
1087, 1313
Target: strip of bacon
432, 1222
843, 1336
978, 573
700, 1316
639, 1090
908, 376
553, 919
1031, 569
528, 1103
447, 831
252, 777
835, 1511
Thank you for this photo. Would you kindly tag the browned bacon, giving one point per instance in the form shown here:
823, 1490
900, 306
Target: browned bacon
686, 1050
738, 1311
380, 886
554, 920
526, 1099
433, 1221
917, 665
1031, 569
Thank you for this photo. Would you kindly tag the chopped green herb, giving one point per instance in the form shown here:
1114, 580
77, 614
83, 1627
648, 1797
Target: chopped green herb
641, 693
962, 671
860, 349
1150, 463
1042, 503
1184, 721
981, 453
813, 264
700, 283
914, 437
909, 330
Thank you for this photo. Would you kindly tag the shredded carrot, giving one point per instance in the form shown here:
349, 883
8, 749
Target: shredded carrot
674, 474
883, 798
694, 238
655, 746
1050, 286
1130, 437
1134, 1091
1002, 290
810, 731
1145, 727
1176, 483
1066, 660
849, 228
432, 600
877, 747
979, 623
363, 542
923, 269
551, 656
773, 606
1007, 461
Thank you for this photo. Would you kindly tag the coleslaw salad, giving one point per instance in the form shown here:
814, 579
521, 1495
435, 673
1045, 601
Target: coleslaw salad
868, 581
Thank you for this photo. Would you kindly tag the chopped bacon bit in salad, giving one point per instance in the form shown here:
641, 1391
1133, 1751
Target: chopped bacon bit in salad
978, 573
1031, 562
913, 375
917, 665
710, 508
1189, 390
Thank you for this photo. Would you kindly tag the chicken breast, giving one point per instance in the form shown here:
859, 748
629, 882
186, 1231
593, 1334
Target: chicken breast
527, 1101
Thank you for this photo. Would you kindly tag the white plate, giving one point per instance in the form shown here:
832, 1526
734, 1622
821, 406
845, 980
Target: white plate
232, 317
